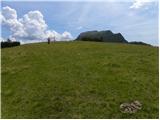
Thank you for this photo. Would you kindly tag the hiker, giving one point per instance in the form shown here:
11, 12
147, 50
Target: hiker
49, 40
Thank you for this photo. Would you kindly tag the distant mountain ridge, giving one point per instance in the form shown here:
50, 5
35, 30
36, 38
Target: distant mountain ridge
138, 43
101, 36
105, 36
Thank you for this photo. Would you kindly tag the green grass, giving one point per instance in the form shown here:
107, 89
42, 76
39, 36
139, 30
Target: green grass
78, 80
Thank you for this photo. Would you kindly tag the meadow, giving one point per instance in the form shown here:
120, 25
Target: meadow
78, 80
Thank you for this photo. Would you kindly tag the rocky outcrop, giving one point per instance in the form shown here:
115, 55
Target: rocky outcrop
101, 36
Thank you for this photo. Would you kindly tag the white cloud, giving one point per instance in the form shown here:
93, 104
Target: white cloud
66, 36
9, 18
141, 3
31, 27
1, 17
9, 13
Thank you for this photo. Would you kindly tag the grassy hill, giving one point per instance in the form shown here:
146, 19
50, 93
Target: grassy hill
78, 80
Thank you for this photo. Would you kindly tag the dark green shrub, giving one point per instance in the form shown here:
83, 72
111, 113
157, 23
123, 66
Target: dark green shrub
9, 44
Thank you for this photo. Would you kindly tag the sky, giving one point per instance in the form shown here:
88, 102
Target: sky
32, 21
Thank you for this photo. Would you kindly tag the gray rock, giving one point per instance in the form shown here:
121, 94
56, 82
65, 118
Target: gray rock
130, 107
101, 36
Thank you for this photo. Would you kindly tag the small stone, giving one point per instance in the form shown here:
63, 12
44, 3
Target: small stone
130, 107
137, 104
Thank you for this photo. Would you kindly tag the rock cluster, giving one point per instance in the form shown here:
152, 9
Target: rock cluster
130, 107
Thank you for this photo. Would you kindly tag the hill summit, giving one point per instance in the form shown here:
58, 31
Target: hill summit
101, 36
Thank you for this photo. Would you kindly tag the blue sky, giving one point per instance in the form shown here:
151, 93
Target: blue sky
135, 24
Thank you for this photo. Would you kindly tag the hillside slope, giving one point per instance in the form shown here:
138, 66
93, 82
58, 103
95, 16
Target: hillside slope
78, 80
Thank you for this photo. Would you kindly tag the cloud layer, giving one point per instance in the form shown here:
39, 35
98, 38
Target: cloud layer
141, 3
31, 27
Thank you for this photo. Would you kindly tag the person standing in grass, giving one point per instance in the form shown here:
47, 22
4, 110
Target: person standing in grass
49, 40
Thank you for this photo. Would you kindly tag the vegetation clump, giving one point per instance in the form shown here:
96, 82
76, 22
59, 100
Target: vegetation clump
9, 43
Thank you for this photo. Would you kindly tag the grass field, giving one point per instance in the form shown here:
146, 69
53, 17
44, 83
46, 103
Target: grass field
78, 80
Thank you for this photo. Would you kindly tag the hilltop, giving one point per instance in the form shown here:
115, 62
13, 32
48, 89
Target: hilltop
78, 80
